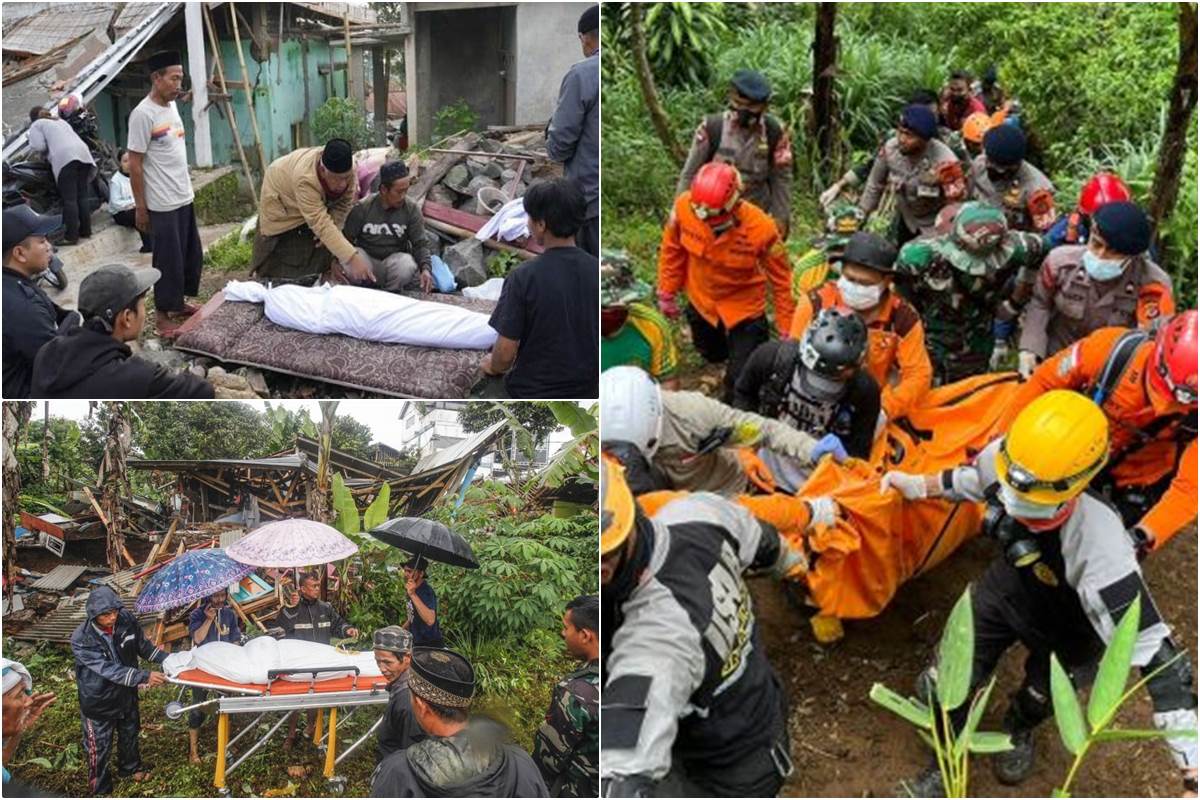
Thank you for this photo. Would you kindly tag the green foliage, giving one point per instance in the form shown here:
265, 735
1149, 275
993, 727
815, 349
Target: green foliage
450, 119
535, 417
229, 253
952, 689
377, 512
1107, 697
68, 465
677, 35
345, 511
339, 118
501, 263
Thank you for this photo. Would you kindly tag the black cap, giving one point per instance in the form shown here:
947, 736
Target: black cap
590, 19
870, 250
1124, 227
442, 677
111, 288
164, 59
751, 85
1004, 145
338, 156
21, 222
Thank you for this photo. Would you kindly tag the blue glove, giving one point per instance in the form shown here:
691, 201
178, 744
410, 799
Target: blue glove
831, 444
1002, 329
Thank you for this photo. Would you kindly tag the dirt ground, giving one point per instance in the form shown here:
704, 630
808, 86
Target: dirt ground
845, 745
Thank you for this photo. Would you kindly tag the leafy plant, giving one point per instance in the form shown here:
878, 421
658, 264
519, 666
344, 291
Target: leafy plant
1107, 697
500, 264
677, 35
953, 686
452, 118
339, 118
229, 253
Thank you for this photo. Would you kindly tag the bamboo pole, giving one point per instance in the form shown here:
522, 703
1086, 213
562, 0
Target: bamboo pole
237, 40
228, 105
463, 233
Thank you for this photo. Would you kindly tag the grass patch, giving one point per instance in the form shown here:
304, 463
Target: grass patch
229, 252
222, 201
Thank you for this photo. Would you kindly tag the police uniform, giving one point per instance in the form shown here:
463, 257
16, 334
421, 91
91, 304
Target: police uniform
567, 745
1067, 304
1027, 196
923, 183
691, 705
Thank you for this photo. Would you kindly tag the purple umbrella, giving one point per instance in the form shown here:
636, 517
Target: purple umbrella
192, 576
292, 543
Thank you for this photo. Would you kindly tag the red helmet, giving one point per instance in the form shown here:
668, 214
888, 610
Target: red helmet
1104, 187
1173, 362
715, 190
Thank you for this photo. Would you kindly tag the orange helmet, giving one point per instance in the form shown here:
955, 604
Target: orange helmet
715, 190
975, 126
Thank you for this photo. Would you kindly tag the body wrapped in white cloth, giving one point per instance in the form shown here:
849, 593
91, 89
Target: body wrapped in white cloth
251, 663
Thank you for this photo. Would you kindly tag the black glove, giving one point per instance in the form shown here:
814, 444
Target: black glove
1143, 542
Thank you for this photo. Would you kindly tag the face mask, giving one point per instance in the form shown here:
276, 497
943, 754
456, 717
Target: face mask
1019, 507
1001, 173
858, 296
1102, 269
746, 118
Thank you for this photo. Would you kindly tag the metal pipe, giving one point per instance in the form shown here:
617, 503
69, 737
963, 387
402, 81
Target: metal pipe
244, 731
175, 712
360, 739
259, 743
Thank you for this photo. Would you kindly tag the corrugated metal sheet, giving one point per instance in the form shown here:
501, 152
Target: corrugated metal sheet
60, 623
59, 578
42, 32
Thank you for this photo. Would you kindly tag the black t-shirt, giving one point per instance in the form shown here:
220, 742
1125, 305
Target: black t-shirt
549, 305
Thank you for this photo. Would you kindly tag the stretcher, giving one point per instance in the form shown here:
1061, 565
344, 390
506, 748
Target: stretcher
283, 693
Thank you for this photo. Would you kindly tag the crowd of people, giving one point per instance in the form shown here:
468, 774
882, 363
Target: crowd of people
428, 743
1091, 467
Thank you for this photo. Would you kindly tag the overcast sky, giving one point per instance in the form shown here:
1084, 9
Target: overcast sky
381, 416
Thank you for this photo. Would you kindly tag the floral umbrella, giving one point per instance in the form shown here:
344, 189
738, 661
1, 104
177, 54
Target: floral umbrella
192, 576
292, 543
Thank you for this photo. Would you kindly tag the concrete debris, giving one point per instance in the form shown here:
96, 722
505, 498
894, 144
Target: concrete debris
466, 262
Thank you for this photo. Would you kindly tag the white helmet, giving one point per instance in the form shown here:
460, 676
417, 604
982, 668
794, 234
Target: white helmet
630, 409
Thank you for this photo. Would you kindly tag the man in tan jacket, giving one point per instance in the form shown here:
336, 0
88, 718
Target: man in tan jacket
305, 199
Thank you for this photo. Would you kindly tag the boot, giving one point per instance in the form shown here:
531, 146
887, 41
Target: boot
1014, 766
927, 784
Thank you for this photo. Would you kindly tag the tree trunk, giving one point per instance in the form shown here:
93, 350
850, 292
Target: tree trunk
641, 66
319, 507
1173, 151
112, 480
822, 121
16, 417
46, 443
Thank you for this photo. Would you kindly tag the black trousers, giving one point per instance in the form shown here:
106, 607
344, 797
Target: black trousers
196, 715
295, 256
716, 344
127, 219
177, 255
73, 189
588, 237
97, 749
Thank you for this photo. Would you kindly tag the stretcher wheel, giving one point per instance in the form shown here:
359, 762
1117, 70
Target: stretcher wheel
337, 784
174, 709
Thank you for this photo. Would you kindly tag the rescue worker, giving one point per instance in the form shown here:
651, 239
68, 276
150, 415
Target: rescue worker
1003, 178
963, 282
691, 705
686, 440
753, 141
924, 173
567, 745
956, 101
896, 356
1108, 282
722, 251
812, 268
211, 621
1101, 188
107, 646
974, 128
1066, 574
816, 384
632, 332
463, 755
1146, 386
398, 730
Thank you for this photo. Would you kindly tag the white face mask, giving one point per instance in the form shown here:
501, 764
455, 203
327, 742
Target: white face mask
857, 296
1019, 507
1102, 269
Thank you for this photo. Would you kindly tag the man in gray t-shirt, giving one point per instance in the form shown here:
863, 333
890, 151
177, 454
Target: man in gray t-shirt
162, 192
389, 229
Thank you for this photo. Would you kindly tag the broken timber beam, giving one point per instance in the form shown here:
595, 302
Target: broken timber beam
438, 169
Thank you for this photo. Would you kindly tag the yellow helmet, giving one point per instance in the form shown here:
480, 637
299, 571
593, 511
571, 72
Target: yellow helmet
1055, 446
617, 509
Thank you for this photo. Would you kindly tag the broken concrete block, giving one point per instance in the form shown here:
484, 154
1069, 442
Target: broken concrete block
256, 379
466, 262
487, 167
435, 242
443, 194
457, 178
229, 386
171, 359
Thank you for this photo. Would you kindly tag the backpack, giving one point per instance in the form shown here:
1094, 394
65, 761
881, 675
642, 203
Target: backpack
713, 124
774, 391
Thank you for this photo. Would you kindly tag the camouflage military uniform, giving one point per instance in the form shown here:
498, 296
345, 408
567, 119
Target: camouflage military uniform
923, 183
766, 175
566, 748
1027, 197
964, 282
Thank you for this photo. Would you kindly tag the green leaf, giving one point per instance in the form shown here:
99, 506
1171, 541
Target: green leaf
955, 655
343, 505
377, 513
915, 712
573, 416
984, 742
1067, 713
1114, 667
1123, 734
1059, 793
44, 763
978, 706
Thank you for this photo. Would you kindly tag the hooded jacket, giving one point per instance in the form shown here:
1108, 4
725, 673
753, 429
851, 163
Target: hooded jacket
399, 729
87, 362
106, 668
475, 762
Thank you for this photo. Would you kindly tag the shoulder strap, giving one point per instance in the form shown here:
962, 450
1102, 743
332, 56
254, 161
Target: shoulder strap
774, 132
1115, 365
775, 389
713, 124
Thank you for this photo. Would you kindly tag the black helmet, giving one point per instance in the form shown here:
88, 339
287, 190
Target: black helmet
870, 250
831, 351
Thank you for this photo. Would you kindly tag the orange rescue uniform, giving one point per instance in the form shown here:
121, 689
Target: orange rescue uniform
895, 346
725, 276
1130, 408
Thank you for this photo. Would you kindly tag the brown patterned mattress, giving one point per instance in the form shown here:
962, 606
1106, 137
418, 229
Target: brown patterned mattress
239, 333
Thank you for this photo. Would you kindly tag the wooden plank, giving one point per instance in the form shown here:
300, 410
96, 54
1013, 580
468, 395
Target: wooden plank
485, 154
438, 169
472, 223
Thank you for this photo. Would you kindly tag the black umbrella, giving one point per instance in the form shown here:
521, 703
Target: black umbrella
427, 539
